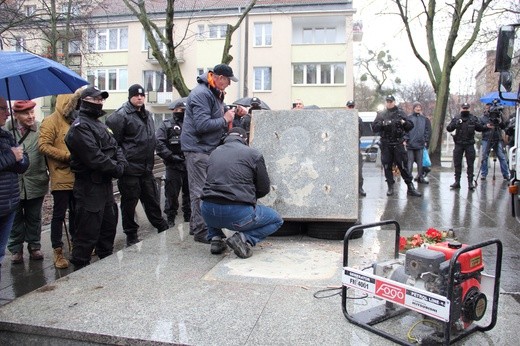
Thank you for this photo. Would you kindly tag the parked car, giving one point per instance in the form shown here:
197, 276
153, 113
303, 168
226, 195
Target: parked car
369, 145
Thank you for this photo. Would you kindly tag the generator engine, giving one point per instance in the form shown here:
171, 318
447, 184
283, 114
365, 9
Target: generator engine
427, 268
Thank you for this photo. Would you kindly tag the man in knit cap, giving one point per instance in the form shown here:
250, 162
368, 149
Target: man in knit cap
416, 140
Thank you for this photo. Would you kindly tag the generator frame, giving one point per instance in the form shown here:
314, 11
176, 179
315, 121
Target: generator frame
369, 318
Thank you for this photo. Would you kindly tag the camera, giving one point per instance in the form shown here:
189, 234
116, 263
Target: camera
228, 107
495, 114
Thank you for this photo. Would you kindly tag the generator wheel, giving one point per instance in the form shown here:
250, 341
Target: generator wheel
290, 228
331, 230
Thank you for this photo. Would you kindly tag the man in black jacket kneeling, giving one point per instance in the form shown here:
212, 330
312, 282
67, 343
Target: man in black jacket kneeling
236, 177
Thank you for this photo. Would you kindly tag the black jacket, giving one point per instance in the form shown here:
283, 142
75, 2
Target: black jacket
392, 124
236, 174
135, 134
495, 133
465, 126
169, 144
94, 153
418, 137
9, 170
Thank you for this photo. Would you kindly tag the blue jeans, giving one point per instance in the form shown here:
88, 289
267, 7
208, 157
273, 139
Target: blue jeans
254, 222
499, 152
6, 223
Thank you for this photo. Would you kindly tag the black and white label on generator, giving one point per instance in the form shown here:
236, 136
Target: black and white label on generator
416, 299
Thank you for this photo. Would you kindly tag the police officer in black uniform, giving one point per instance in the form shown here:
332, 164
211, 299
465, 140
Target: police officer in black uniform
95, 159
465, 126
392, 124
168, 147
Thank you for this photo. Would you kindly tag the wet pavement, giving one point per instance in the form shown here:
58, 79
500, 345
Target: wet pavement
169, 289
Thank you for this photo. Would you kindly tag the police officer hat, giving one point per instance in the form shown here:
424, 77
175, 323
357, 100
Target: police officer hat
465, 105
351, 103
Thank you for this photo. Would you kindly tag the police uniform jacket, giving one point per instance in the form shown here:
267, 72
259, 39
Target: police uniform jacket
95, 155
236, 174
204, 123
135, 133
9, 170
52, 141
168, 143
390, 126
465, 126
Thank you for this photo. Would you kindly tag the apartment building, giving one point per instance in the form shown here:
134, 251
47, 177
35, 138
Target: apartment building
283, 50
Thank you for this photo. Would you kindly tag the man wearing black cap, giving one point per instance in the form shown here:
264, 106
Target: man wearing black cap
465, 126
134, 130
95, 158
205, 123
236, 178
169, 149
393, 124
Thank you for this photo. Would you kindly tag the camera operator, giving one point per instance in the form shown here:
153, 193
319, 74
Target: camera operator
393, 124
492, 139
464, 126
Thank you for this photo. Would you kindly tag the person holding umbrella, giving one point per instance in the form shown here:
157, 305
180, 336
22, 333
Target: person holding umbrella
13, 161
34, 185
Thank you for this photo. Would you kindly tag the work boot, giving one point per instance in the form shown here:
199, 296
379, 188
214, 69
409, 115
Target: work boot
390, 191
59, 260
412, 191
17, 257
421, 180
471, 186
131, 239
456, 184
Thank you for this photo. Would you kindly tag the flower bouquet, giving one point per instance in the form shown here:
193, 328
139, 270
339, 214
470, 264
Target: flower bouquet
431, 236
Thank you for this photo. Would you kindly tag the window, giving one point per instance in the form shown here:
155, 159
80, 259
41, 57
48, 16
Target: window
156, 81
217, 31
263, 34
147, 43
319, 35
201, 34
30, 10
20, 44
108, 39
75, 9
263, 78
114, 79
325, 73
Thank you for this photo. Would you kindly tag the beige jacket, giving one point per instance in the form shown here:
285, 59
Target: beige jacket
52, 141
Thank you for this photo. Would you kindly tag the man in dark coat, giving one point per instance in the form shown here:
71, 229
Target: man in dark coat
416, 140
169, 149
393, 124
13, 161
95, 158
236, 178
134, 130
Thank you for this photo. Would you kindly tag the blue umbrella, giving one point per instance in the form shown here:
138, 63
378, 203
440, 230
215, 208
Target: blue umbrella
25, 76
489, 97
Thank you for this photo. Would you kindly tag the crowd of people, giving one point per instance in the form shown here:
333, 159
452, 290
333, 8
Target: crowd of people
208, 162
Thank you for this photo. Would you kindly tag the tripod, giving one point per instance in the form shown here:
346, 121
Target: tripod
492, 145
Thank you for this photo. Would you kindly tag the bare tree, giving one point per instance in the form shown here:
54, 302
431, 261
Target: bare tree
451, 18
377, 68
157, 37
418, 91
364, 97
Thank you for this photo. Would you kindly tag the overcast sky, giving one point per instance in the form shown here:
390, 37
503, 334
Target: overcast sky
386, 31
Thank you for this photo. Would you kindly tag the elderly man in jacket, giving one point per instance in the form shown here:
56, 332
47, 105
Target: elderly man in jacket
416, 140
205, 123
236, 178
52, 145
34, 184
13, 161
134, 130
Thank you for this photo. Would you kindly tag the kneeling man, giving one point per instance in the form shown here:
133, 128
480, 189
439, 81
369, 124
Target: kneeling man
236, 177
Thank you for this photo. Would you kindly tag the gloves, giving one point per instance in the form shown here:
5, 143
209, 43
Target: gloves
118, 171
177, 158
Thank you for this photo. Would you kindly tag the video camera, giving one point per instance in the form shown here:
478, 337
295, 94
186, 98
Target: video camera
495, 112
